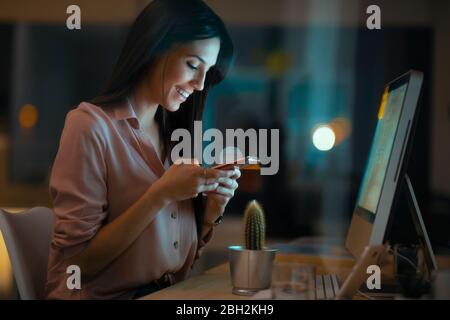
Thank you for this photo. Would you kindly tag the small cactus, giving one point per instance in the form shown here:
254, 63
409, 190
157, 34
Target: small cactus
255, 226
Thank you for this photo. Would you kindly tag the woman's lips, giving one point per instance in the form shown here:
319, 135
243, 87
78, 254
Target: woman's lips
184, 94
180, 96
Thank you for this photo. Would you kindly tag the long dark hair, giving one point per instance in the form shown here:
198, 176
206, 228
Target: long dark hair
158, 27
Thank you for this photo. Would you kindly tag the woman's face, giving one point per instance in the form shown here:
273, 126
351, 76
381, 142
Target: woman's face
182, 70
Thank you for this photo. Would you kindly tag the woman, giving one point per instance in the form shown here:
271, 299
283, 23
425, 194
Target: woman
130, 219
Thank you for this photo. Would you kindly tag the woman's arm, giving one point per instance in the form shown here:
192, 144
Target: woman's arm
217, 201
212, 209
178, 183
115, 237
79, 191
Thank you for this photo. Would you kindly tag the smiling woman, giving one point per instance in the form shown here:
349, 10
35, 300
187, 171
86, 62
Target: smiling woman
181, 71
132, 221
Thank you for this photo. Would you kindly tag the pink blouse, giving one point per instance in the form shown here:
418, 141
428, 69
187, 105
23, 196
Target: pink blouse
103, 165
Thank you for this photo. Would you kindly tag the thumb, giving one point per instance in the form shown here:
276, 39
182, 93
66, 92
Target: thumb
187, 161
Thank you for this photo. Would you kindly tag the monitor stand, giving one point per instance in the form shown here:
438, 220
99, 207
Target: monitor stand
393, 289
421, 231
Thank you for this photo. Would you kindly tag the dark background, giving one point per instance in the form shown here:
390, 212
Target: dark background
57, 69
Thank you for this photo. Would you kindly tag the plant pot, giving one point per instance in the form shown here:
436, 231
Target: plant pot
251, 270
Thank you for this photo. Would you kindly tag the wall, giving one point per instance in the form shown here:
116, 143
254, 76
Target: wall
440, 161
292, 12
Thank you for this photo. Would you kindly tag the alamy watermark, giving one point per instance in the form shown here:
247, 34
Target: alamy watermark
74, 278
374, 280
374, 20
242, 143
74, 20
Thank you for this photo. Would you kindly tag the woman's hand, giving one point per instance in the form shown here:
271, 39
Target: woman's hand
186, 181
218, 199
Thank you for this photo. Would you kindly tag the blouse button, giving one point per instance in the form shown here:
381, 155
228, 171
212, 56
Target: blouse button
175, 244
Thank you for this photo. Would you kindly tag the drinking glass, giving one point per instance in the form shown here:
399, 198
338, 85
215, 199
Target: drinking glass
293, 281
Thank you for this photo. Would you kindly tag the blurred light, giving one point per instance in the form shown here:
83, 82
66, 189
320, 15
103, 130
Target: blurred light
323, 137
278, 63
3, 142
28, 116
342, 129
6, 276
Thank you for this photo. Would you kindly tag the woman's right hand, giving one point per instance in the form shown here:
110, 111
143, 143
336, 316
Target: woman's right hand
185, 181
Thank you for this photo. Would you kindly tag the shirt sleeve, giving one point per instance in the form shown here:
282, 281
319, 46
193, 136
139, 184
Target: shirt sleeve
78, 183
202, 243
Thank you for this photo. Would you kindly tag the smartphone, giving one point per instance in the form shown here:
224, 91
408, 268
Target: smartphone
246, 163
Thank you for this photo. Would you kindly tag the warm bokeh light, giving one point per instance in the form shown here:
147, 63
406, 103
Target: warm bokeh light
323, 137
278, 63
342, 128
6, 276
28, 116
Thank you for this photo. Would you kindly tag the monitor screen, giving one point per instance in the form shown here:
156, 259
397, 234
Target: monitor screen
386, 167
388, 119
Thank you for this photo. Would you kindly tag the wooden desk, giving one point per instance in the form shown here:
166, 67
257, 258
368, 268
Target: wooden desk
216, 282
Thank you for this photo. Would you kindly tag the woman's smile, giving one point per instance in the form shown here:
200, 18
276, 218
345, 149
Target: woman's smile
182, 94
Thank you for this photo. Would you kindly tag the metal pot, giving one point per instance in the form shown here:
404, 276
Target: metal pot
251, 270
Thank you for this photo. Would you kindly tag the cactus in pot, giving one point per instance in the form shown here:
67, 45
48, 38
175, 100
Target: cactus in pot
251, 264
255, 226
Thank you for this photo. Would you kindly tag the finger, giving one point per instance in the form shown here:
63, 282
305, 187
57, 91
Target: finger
227, 173
187, 161
208, 187
225, 191
236, 174
228, 182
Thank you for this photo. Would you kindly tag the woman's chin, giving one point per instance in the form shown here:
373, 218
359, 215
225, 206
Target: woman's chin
172, 107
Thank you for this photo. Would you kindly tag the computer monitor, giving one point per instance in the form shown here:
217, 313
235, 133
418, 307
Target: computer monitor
386, 168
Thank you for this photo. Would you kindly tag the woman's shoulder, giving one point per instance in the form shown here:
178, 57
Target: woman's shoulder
87, 116
88, 112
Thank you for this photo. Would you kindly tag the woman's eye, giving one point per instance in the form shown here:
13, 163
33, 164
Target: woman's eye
191, 66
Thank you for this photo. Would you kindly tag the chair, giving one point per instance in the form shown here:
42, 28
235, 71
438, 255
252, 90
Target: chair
27, 238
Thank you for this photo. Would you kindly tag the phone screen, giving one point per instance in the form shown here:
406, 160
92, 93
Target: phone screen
247, 163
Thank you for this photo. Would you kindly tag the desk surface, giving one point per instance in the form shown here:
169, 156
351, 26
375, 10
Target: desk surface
216, 282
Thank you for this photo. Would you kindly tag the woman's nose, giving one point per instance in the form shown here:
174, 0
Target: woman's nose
198, 82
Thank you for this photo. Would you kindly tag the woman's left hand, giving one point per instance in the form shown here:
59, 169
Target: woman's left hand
217, 200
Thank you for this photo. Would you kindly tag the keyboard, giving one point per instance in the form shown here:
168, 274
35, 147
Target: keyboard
327, 286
